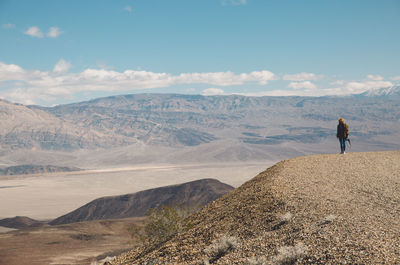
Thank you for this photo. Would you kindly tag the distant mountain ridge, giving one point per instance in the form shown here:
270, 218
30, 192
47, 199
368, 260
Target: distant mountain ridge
195, 193
35, 169
225, 128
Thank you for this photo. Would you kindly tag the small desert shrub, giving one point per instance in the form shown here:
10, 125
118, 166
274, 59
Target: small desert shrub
328, 219
287, 217
105, 261
220, 248
289, 254
161, 224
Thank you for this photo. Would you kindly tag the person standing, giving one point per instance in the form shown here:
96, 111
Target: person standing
342, 134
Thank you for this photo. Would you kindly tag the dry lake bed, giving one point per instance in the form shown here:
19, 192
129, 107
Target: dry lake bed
47, 196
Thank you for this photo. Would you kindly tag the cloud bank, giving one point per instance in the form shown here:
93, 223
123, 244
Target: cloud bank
302, 77
50, 85
212, 91
300, 85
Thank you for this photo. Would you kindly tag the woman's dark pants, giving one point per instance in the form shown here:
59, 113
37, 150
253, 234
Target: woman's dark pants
342, 145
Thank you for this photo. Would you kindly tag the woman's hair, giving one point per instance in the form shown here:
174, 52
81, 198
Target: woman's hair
341, 120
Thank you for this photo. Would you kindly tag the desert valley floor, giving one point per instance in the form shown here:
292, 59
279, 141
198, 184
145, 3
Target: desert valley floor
47, 196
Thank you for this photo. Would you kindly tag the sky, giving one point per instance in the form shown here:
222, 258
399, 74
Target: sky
62, 51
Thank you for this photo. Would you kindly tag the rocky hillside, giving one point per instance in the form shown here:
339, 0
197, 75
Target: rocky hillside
322, 209
34, 169
192, 194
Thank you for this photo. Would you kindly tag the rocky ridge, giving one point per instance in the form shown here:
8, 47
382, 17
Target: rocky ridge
322, 209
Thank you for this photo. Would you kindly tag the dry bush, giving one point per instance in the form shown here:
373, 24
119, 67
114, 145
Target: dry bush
328, 219
219, 248
287, 217
284, 219
161, 224
289, 254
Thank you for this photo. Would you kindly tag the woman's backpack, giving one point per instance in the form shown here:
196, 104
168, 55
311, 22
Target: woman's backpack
346, 131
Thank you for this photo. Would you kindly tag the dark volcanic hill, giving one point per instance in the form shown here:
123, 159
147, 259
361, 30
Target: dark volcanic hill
195, 193
19, 222
34, 169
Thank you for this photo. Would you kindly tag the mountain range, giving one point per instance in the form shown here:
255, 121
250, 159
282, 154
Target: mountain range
208, 128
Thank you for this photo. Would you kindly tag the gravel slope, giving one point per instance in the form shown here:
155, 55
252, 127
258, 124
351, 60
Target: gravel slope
330, 209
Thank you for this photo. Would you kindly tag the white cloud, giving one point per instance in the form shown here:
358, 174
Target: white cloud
10, 72
34, 32
128, 8
33, 86
8, 26
395, 78
20, 96
212, 91
343, 88
54, 32
355, 87
227, 78
302, 77
338, 82
234, 2
375, 77
278, 93
62, 66
300, 85
50, 85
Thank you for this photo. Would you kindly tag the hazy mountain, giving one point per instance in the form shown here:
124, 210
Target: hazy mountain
195, 193
147, 128
24, 127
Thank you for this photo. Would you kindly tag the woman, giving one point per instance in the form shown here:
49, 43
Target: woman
342, 134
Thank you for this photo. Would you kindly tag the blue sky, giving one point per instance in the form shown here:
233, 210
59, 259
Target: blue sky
59, 51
